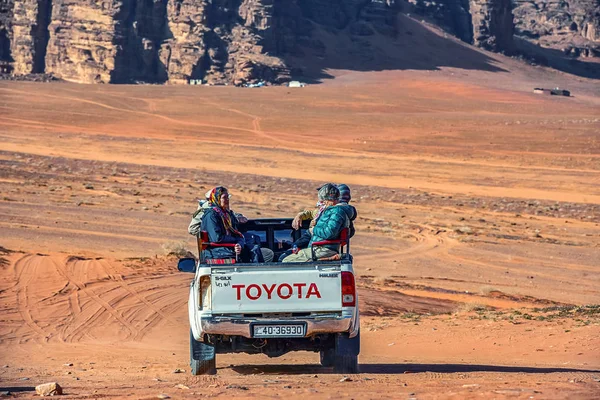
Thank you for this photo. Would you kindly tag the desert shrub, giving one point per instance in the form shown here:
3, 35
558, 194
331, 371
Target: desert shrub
175, 248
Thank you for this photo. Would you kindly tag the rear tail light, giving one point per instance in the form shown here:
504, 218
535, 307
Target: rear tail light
204, 302
348, 290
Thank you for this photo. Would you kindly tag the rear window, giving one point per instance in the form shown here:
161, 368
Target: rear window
283, 239
262, 235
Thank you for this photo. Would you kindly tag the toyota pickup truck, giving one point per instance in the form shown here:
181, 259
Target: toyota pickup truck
274, 308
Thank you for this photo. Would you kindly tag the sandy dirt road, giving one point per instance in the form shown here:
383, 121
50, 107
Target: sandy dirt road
477, 250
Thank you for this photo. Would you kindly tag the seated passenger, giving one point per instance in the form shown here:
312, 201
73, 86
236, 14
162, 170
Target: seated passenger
334, 217
221, 225
308, 214
313, 214
196, 223
345, 198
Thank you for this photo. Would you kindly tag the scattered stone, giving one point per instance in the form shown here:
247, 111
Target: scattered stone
88, 186
178, 371
49, 389
24, 379
470, 385
464, 230
346, 379
68, 364
5, 366
237, 387
163, 396
181, 386
4, 393
287, 387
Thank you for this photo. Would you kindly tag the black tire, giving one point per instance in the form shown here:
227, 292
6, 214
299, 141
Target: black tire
327, 357
346, 354
346, 364
200, 364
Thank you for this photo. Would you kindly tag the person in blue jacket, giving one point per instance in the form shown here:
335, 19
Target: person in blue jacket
335, 217
221, 224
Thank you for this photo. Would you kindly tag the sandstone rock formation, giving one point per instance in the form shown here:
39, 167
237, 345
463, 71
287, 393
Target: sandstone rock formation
242, 41
572, 26
485, 23
492, 24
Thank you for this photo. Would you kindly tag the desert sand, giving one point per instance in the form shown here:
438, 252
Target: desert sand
477, 250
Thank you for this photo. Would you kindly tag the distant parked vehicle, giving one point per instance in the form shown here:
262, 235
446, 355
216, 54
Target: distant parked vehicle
296, 84
552, 92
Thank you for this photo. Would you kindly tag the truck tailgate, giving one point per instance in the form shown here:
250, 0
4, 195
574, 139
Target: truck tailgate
286, 288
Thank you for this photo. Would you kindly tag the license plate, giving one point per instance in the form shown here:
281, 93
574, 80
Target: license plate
278, 330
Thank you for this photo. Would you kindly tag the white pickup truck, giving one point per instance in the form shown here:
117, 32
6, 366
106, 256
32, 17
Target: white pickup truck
274, 308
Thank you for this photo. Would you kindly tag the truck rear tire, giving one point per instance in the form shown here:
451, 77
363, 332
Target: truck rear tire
327, 357
346, 364
346, 354
202, 357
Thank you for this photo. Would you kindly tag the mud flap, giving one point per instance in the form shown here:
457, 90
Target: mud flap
344, 345
203, 351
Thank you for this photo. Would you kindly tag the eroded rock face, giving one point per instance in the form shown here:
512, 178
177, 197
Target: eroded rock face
6, 17
484, 23
572, 26
85, 39
492, 24
452, 15
241, 41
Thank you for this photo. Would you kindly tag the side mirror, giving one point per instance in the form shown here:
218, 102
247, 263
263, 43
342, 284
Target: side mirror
187, 265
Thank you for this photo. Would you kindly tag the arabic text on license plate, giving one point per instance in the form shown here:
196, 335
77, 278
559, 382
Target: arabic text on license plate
278, 330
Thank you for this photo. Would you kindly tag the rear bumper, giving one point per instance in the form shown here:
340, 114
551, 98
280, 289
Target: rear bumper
241, 326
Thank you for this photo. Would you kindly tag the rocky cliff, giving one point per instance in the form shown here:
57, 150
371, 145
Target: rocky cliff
572, 26
237, 41
484, 23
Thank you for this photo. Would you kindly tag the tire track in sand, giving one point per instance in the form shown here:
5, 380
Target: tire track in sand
25, 270
156, 316
256, 128
143, 113
105, 306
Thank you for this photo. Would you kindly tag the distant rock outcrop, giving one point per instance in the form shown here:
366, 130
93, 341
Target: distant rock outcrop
244, 41
484, 23
572, 26
492, 24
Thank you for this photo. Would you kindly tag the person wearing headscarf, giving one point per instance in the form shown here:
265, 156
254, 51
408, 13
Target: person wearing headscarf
221, 224
195, 225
